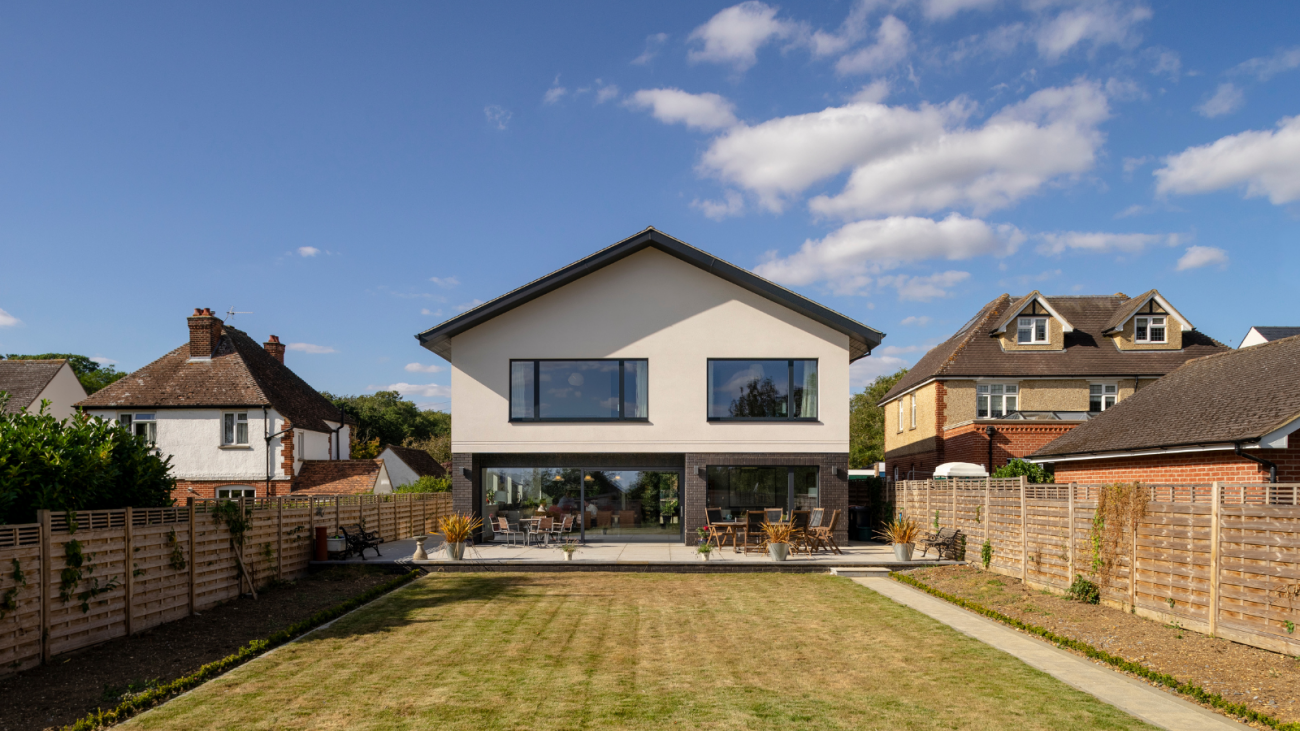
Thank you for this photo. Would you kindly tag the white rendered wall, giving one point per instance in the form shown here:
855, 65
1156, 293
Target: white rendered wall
397, 469
649, 305
192, 438
62, 392
383, 483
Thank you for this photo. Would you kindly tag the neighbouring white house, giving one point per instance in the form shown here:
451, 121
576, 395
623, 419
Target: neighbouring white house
408, 464
1262, 334
234, 419
29, 382
647, 386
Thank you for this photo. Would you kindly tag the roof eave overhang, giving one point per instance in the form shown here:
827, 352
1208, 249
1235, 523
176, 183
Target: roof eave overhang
1183, 323
1040, 299
862, 339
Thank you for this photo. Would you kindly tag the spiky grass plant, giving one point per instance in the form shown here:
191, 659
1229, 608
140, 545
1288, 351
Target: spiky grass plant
900, 531
457, 528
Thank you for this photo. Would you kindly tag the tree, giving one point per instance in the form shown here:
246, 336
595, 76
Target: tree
1018, 467
387, 418
80, 463
92, 375
758, 398
867, 422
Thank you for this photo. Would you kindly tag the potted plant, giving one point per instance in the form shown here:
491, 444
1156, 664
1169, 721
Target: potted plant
456, 529
569, 549
704, 550
778, 540
336, 544
902, 534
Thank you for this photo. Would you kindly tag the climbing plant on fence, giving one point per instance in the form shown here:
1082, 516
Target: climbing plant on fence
1120, 508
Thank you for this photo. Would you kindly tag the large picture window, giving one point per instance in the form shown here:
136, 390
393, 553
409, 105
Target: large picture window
579, 390
762, 389
734, 491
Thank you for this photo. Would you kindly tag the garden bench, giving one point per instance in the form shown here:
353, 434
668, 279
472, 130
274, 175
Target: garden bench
358, 540
943, 541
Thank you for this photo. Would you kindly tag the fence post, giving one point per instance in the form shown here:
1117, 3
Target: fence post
929, 488
424, 517
953, 488
1069, 576
129, 535
189, 502
47, 537
1024, 534
279, 538
337, 524
1216, 495
1133, 564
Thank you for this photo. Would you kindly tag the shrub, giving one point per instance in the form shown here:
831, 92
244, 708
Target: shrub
1084, 591
428, 483
1019, 467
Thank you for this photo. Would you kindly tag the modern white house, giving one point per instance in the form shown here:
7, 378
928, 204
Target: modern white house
27, 383
643, 385
234, 419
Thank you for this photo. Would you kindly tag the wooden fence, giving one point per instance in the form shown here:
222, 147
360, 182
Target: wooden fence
141, 567
1218, 558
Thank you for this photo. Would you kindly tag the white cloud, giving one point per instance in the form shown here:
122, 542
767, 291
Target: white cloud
1267, 163
427, 311
104, 361
420, 368
1199, 256
731, 205
701, 111
852, 30
873, 93
848, 258
1166, 63
445, 281
944, 9
605, 92
924, 288
555, 93
653, 43
735, 34
916, 321
1133, 163
308, 251
1099, 242
8, 320
428, 390
469, 305
893, 40
865, 370
1226, 100
498, 117
1265, 67
1097, 23
1136, 209
311, 349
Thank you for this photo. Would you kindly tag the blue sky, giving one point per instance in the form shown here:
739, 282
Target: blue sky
353, 174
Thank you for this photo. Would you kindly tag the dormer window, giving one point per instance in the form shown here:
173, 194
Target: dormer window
1032, 331
1149, 330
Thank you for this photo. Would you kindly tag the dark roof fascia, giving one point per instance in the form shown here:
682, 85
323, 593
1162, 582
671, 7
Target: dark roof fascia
1141, 451
862, 339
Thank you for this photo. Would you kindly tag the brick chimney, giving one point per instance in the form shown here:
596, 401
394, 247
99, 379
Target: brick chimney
275, 348
205, 333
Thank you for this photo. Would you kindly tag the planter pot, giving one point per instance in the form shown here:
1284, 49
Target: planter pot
903, 551
778, 551
568, 555
704, 556
455, 551
336, 545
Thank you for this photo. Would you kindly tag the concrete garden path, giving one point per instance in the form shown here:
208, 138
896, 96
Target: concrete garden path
1135, 697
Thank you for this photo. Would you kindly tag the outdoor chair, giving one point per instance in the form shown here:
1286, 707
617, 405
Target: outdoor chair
358, 540
540, 527
773, 515
799, 520
559, 529
753, 535
713, 516
823, 536
628, 518
503, 527
604, 518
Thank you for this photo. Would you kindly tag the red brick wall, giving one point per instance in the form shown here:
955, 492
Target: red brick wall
1192, 467
969, 443
286, 449
940, 418
208, 488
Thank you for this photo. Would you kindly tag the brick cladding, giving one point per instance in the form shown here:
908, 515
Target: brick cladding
969, 443
1192, 467
286, 449
208, 488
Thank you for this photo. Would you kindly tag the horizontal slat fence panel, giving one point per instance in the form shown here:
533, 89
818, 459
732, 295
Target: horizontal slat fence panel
140, 569
1241, 582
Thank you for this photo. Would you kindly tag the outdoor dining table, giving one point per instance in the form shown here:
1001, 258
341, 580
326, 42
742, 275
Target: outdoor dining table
728, 528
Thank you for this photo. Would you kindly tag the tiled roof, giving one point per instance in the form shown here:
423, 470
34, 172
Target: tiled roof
972, 352
24, 380
337, 477
1125, 311
240, 374
1277, 333
1235, 396
418, 460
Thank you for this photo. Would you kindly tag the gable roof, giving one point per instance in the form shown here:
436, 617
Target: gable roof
971, 353
24, 380
1235, 396
338, 477
240, 374
1019, 305
1276, 333
1126, 312
862, 339
420, 461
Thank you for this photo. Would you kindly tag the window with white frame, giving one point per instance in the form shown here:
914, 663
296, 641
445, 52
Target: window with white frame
1102, 396
913, 411
900, 415
1149, 330
141, 425
1032, 330
231, 493
996, 400
234, 429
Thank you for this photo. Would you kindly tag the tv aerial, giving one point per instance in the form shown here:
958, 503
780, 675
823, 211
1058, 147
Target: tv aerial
230, 314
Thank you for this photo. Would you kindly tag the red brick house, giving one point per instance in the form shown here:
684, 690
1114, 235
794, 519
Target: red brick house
1023, 372
1226, 417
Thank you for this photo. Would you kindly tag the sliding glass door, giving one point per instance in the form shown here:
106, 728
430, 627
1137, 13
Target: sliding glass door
733, 491
606, 505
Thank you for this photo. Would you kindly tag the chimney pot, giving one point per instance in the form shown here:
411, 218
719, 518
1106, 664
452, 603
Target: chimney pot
275, 348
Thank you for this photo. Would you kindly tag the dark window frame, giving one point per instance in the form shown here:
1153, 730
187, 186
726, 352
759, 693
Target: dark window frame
789, 394
789, 477
536, 418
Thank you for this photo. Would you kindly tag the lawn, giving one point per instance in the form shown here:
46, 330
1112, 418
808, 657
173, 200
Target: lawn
635, 651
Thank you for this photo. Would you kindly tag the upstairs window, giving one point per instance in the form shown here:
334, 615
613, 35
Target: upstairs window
913, 411
900, 416
1149, 330
996, 400
1032, 330
579, 390
234, 429
141, 425
762, 389
1102, 396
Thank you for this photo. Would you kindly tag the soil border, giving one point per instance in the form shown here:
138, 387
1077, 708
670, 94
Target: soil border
156, 696
1191, 690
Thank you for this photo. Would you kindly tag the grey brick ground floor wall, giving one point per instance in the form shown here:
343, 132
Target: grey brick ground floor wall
833, 484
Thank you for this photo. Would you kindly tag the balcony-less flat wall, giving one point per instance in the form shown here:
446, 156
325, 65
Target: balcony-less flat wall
677, 316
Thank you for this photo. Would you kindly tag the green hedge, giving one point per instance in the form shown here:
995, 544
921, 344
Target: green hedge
156, 696
1190, 690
